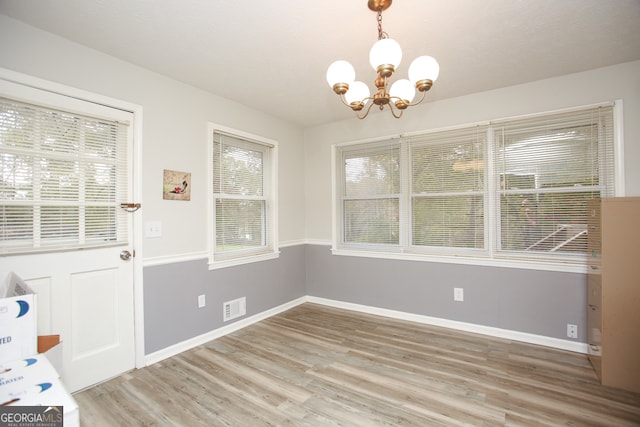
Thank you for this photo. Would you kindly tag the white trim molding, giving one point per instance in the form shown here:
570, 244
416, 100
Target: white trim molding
220, 332
290, 243
172, 259
576, 347
195, 256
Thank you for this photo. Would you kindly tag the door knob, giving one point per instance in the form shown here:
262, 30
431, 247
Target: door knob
125, 255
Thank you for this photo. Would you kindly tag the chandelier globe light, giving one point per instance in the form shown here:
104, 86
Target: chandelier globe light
385, 57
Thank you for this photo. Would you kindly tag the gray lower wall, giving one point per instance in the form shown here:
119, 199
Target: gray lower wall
530, 301
171, 313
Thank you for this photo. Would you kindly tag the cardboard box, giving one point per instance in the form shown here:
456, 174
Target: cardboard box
29, 365
18, 374
51, 346
51, 393
33, 381
47, 342
18, 322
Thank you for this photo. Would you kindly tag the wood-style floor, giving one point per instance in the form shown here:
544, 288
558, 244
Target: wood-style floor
321, 366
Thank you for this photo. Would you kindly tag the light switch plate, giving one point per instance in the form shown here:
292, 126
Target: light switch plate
153, 229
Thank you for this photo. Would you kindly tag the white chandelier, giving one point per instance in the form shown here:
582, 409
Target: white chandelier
385, 56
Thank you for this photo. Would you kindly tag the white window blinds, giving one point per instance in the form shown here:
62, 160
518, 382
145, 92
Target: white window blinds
547, 168
371, 196
63, 178
448, 188
241, 187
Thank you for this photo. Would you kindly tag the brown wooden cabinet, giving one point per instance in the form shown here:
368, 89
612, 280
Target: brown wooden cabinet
613, 288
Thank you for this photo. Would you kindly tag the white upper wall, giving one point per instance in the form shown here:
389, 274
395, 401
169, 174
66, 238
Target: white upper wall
591, 87
175, 118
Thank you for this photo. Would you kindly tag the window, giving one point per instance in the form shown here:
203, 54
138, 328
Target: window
63, 178
546, 170
243, 198
513, 189
448, 189
371, 202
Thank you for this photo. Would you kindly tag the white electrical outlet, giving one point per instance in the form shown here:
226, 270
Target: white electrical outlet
201, 301
572, 330
458, 294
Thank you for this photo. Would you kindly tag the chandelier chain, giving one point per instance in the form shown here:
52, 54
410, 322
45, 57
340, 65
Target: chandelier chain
381, 34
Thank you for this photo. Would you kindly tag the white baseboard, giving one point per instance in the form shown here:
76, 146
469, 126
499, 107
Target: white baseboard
576, 347
165, 353
220, 332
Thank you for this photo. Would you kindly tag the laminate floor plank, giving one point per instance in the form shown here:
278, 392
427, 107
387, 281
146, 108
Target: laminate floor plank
320, 366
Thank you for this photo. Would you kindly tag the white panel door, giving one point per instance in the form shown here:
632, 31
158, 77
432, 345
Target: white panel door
84, 295
87, 298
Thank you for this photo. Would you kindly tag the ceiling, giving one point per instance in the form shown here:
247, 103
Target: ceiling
273, 55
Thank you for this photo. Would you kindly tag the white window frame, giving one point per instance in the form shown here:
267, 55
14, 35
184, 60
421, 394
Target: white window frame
488, 257
270, 249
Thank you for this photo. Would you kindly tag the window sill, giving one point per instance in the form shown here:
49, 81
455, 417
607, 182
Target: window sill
546, 265
231, 262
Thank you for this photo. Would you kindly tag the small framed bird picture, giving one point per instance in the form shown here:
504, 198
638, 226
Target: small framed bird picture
176, 185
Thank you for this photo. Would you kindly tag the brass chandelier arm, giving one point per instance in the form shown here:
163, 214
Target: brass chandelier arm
366, 113
411, 104
357, 107
395, 111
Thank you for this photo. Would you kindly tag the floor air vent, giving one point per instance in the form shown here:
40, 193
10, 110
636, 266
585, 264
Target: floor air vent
235, 308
